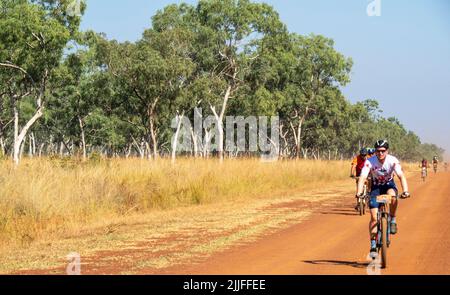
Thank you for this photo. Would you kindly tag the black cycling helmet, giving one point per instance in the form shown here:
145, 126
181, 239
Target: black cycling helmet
371, 151
363, 152
382, 144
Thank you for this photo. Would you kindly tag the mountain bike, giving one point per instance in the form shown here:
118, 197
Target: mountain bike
383, 228
363, 200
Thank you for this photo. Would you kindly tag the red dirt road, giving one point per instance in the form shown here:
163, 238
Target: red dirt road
335, 241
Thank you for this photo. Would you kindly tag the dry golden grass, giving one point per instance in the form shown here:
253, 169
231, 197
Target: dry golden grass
49, 208
45, 198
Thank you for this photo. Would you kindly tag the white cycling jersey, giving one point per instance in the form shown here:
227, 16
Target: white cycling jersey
382, 173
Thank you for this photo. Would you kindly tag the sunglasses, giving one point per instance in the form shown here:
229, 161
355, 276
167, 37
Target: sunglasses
381, 151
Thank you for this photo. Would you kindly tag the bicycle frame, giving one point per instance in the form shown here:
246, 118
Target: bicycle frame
364, 199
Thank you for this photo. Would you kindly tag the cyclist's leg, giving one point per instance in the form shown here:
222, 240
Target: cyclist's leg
373, 223
393, 191
394, 202
369, 185
373, 205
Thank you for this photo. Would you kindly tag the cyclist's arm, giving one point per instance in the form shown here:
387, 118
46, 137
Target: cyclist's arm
353, 170
398, 170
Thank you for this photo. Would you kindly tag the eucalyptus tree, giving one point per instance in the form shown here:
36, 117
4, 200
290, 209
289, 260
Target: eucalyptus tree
226, 37
33, 36
326, 132
316, 67
148, 76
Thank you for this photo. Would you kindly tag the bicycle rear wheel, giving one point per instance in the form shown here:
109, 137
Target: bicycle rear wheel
384, 231
362, 203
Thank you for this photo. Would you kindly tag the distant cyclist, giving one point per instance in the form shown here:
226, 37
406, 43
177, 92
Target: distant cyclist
445, 166
424, 166
357, 166
382, 169
435, 163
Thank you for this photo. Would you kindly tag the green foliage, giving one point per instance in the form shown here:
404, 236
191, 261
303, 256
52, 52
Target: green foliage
120, 98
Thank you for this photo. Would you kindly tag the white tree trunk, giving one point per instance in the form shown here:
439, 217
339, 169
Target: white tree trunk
305, 153
19, 137
2, 146
175, 140
30, 146
138, 148
128, 152
40, 149
219, 118
83, 140
194, 140
154, 139
33, 142
206, 144
61, 148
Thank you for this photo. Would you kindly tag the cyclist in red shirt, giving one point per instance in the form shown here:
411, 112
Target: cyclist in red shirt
357, 166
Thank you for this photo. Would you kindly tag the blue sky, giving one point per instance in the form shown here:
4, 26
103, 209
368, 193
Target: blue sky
401, 58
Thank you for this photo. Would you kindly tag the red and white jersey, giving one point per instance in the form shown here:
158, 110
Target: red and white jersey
382, 173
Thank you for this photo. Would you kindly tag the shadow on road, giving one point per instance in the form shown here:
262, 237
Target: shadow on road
354, 264
349, 213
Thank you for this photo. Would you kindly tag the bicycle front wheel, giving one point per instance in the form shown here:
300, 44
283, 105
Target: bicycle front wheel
384, 232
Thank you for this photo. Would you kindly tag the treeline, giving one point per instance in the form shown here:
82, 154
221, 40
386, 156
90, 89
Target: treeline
66, 92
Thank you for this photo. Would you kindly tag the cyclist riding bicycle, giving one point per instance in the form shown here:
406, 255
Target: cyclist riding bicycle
424, 167
357, 165
382, 169
435, 162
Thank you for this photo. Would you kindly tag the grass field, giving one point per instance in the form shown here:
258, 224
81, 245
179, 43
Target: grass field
45, 198
50, 200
